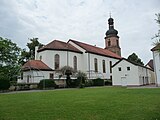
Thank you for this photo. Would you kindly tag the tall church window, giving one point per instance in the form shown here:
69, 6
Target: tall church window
40, 58
110, 64
117, 42
95, 64
109, 43
56, 60
104, 66
75, 63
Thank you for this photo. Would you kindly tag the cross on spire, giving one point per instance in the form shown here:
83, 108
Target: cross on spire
110, 14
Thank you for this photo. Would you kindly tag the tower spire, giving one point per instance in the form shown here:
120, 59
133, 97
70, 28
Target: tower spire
112, 38
110, 14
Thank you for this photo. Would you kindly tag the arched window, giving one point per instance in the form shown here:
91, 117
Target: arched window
104, 66
56, 61
75, 63
109, 43
40, 58
117, 42
95, 64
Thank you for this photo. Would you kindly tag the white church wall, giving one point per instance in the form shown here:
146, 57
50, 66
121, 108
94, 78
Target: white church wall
48, 58
100, 66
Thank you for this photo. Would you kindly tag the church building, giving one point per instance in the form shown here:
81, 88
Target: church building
96, 62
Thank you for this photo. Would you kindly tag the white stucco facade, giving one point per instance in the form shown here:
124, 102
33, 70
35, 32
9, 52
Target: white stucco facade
156, 61
127, 74
34, 76
85, 62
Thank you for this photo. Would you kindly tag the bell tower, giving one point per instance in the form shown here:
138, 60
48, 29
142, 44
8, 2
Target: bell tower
112, 39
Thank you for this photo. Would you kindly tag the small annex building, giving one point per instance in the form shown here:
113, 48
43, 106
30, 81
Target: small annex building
34, 71
127, 73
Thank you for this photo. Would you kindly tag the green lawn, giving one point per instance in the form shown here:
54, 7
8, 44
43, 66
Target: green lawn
106, 103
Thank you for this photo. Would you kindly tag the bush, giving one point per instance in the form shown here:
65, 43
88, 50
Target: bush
98, 82
108, 82
72, 83
88, 83
46, 83
4, 84
81, 85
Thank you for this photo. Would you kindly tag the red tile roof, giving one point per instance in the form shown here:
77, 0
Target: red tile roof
59, 45
35, 65
96, 50
157, 47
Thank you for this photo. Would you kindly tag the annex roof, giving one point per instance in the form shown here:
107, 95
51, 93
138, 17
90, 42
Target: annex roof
35, 65
59, 45
136, 64
96, 50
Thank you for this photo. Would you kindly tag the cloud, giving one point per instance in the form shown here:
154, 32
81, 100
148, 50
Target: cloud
84, 20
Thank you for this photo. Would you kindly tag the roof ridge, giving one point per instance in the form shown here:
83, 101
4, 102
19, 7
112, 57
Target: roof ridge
85, 43
102, 49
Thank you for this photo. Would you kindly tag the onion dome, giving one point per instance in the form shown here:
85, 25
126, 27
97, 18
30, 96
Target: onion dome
111, 31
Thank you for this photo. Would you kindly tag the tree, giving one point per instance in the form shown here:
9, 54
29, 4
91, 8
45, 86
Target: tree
134, 58
34, 42
9, 57
29, 55
157, 36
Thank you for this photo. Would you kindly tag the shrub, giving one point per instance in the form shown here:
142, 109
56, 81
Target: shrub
108, 82
88, 83
82, 77
46, 83
98, 82
72, 83
4, 84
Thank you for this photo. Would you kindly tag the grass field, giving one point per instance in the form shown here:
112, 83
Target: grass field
106, 103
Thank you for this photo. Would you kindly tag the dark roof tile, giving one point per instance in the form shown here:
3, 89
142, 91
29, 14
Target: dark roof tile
59, 45
35, 65
96, 50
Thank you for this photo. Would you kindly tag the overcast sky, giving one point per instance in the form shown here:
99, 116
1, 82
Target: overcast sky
82, 20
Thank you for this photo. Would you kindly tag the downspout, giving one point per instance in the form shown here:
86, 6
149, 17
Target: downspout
67, 57
89, 64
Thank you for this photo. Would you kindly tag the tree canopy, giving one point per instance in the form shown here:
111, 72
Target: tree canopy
9, 57
9, 52
157, 36
30, 55
134, 58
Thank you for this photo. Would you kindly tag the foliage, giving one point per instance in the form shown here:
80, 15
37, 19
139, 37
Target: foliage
4, 83
46, 83
67, 68
157, 36
134, 58
98, 82
81, 76
88, 83
72, 83
104, 103
34, 42
108, 82
27, 55
9, 57
9, 52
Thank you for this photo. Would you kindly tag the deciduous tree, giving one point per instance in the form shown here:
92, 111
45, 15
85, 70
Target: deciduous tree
134, 58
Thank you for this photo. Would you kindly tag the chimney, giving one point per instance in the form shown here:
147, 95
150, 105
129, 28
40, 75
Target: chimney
36, 55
